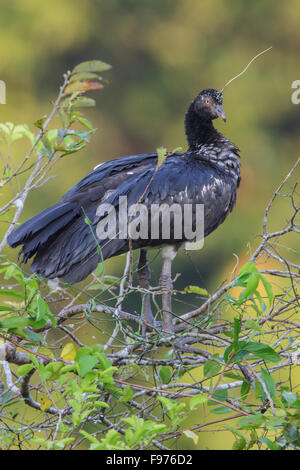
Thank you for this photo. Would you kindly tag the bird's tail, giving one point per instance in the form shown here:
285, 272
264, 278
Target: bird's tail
42, 229
62, 243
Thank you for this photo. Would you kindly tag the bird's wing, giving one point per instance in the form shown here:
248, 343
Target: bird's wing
109, 175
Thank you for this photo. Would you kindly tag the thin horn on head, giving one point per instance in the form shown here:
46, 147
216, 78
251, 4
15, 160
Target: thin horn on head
247, 66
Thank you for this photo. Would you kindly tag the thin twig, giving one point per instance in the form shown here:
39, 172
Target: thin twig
246, 68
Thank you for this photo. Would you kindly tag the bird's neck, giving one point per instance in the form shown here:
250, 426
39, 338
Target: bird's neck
199, 130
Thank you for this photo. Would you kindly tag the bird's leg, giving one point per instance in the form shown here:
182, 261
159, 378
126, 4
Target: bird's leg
168, 254
144, 275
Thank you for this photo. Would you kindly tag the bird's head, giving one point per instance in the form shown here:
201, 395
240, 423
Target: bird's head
208, 104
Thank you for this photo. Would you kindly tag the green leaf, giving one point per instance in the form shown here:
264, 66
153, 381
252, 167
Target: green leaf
67, 368
91, 66
220, 395
258, 390
86, 362
177, 150
78, 102
11, 293
23, 370
12, 271
84, 76
290, 397
221, 410
262, 303
54, 368
165, 374
5, 397
89, 437
34, 359
271, 445
191, 435
7, 309
234, 376
46, 143
85, 122
254, 326
251, 286
211, 368
251, 422
52, 134
97, 348
227, 352
161, 156
104, 361
239, 444
268, 287
263, 351
36, 324
6, 128
40, 122
234, 431
63, 117
238, 356
20, 131
14, 322
33, 336
100, 404
197, 400
292, 434
245, 388
44, 312
248, 268
127, 394
268, 381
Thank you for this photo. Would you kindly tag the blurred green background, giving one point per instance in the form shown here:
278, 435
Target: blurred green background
163, 52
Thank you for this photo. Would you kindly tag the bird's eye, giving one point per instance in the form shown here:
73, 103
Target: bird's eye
207, 101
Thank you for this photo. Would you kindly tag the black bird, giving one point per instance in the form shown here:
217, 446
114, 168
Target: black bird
66, 246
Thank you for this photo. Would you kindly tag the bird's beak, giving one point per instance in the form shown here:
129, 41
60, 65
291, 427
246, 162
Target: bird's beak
220, 112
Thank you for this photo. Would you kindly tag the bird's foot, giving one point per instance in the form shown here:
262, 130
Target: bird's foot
166, 289
168, 327
166, 284
148, 322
